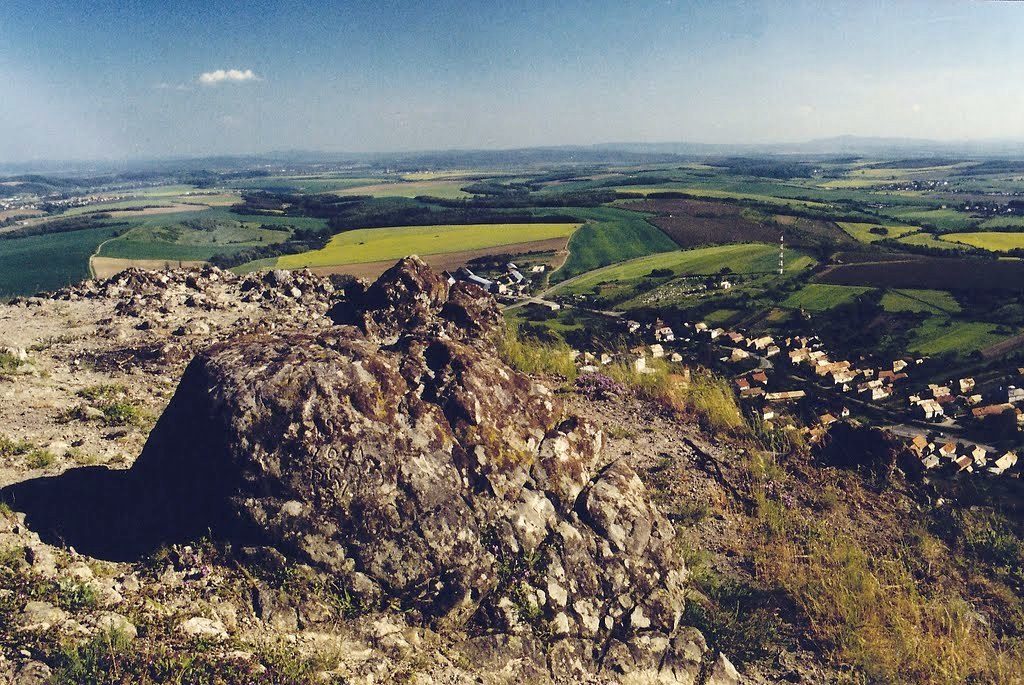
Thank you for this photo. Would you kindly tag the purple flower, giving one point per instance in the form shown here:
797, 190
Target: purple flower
597, 386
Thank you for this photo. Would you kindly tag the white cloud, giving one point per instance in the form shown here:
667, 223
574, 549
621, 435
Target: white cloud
172, 86
212, 78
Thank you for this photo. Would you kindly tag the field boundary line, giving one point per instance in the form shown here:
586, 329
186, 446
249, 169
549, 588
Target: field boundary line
906, 294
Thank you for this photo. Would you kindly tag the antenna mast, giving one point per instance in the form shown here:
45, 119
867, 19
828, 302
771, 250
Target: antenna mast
782, 251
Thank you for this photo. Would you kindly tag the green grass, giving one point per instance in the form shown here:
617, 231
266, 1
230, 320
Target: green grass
1003, 222
938, 335
47, 262
862, 232
314, 183
819, 297
720, 194
534, 357
994, 241
719, 317
451, 190
932, 301
610, 235
380, 244
945, 220
708, 397
114, 206
929, 240
744, 258
178, 242
163, 236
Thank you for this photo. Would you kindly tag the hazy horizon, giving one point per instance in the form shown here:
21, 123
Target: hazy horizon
199, 79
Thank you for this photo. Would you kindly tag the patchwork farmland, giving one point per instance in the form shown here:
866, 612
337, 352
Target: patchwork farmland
460, 242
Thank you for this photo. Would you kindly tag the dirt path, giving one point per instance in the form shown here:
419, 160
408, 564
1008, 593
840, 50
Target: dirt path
95, 255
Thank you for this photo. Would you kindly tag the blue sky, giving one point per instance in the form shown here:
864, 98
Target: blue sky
124, 79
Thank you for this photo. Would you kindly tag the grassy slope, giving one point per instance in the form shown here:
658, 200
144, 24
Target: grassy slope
719, 194
46, 262
379, 244
161, 236
933, 301
817, 297
862, 232
745, 258
610, 235
937, 335
942, 219
929, 240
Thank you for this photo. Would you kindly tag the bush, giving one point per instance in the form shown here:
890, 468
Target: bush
39, 458
8, 362
13, 448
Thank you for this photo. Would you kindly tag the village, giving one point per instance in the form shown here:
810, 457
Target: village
799, 370
795, 383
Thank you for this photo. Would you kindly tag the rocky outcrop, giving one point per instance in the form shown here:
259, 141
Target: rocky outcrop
383, 449
397, 451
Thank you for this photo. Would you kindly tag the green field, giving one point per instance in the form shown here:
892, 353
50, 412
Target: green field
720, 194
610, 235
179, 243
862, 232
380, 244
114, 206
929, 240
1002, 222
169, 236
932, 301
720, 317
313, 183
745, 258
819, 297
444, 189
47, 262
944, 220
994, 241
938, 335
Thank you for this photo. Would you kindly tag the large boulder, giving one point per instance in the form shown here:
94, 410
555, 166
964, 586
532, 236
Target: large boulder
396, 451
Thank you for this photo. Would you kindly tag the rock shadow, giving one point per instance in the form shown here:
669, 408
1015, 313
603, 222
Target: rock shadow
98, 511
178, 490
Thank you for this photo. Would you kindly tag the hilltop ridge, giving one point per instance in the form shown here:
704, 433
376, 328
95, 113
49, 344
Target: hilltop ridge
282, 477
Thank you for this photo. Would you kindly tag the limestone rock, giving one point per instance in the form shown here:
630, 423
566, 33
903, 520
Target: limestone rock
110, 622
39, 616
207, 628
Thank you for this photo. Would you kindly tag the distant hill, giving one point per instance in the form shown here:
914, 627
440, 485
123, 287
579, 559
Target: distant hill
626, 153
